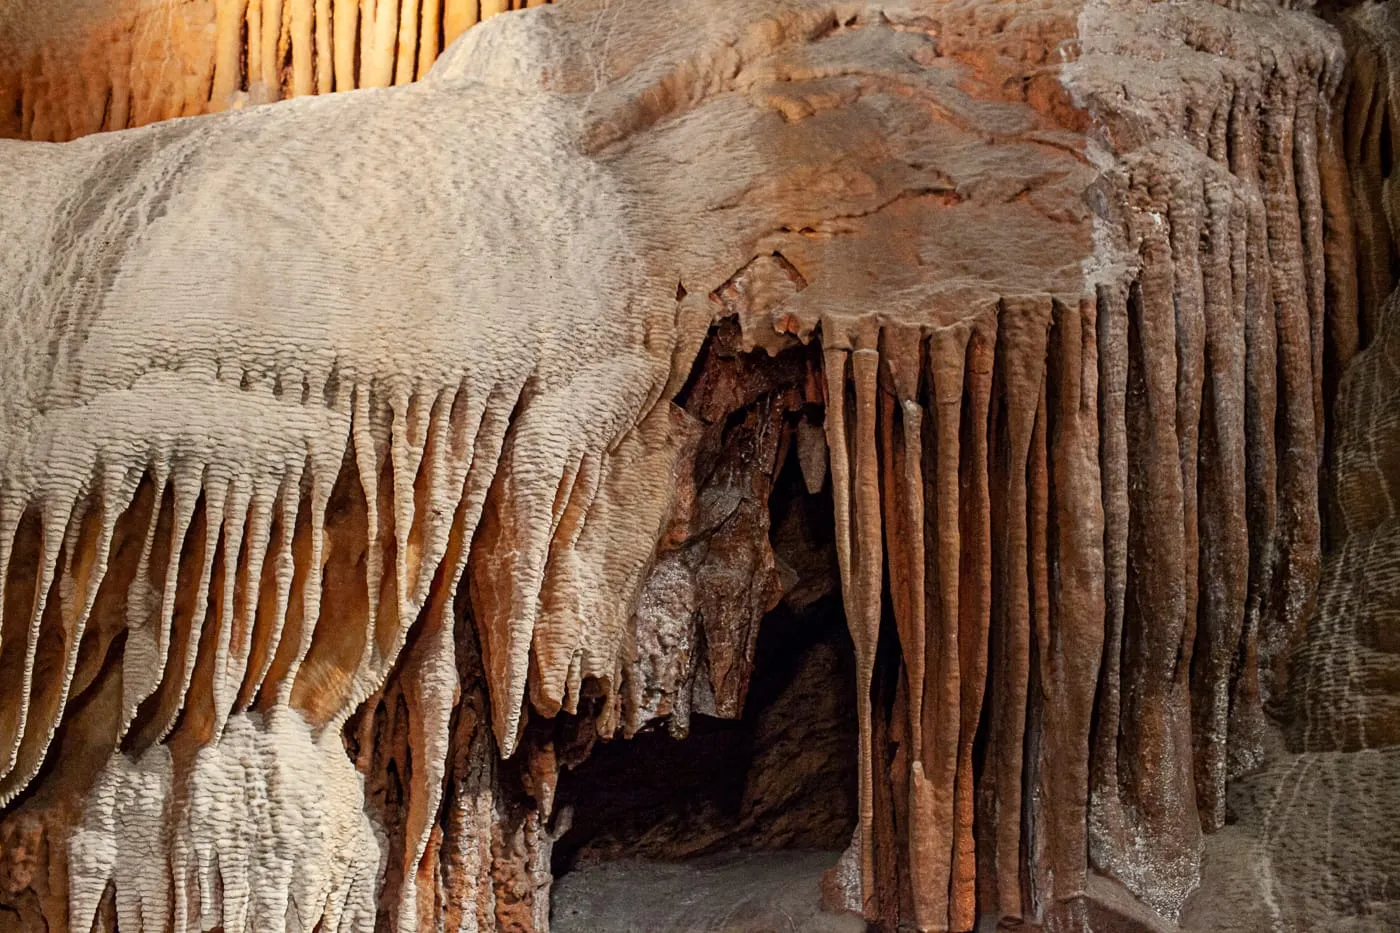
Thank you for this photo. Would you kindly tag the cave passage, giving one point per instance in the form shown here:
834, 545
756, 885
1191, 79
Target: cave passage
783, 773
732, 826
783, 776
702, 822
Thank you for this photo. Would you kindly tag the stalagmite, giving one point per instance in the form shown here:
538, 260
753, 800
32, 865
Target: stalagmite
371, 465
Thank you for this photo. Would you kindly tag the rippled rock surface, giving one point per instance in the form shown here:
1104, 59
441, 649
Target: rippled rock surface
953, 436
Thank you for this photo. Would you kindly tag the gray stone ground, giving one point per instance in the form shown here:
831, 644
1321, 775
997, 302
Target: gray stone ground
747, 892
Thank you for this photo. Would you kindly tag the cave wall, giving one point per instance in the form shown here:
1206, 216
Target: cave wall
336, 475
1312, 821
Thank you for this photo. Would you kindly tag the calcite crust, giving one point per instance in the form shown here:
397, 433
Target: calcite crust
365, 458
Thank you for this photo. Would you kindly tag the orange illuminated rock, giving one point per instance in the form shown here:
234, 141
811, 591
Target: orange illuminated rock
73, 67
365, 461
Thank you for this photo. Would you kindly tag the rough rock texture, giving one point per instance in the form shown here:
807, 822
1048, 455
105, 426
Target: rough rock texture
365, 460
1313, 845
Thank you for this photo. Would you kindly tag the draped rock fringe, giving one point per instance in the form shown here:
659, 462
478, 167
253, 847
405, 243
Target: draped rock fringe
1112, 506
1210, 411
242, 592
1099, 513
983, 474
225, 55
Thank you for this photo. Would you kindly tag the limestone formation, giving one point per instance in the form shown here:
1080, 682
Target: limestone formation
378, 471
74, 67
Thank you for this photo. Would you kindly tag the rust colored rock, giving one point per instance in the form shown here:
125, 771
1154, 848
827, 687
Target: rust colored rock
86, 66
374, 467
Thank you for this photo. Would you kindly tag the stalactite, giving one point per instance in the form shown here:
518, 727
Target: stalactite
975, 605
1224, 529
216, 55
1021, 337
423, 467
850, 431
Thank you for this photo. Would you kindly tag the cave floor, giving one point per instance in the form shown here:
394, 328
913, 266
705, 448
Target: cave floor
739, 892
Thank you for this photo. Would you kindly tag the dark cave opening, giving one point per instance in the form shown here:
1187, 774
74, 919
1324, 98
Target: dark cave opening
752, 809
783, 776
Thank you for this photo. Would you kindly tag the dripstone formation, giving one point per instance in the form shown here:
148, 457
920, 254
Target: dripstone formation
969, 425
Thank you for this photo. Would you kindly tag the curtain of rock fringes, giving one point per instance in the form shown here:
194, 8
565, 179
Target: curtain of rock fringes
1137, 609
1095, 527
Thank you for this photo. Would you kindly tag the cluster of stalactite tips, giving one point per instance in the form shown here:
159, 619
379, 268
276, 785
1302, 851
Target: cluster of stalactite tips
142, 62
1073, 319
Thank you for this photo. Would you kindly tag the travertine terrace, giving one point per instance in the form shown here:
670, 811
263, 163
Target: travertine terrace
372, 461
